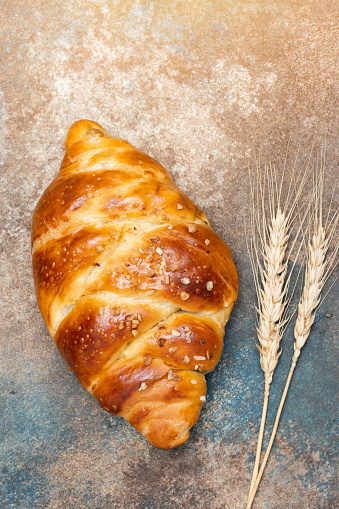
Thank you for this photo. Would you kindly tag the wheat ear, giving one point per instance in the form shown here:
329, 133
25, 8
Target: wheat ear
271, 286
271, 305
316, 274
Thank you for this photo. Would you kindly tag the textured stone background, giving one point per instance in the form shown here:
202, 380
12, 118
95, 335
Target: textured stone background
199, 85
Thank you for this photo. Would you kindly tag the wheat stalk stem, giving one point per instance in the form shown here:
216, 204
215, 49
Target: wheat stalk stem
260, 436
269, 447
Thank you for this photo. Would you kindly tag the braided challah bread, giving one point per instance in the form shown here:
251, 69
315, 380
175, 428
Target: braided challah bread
133, 284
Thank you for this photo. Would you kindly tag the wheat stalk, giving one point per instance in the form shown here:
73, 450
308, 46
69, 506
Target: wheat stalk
316, 274
270, 277
271, 305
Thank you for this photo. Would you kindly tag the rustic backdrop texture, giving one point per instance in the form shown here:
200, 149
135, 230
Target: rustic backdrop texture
202, 86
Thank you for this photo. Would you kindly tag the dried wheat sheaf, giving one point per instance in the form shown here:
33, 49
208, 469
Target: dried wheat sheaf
271, 278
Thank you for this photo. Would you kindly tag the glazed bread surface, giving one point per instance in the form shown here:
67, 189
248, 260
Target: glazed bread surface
133, 284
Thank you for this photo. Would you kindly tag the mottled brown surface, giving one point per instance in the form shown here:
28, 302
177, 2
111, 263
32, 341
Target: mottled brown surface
199, 86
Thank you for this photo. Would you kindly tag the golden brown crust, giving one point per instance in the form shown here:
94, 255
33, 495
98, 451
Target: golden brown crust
169, 409
95, 332
133, 284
